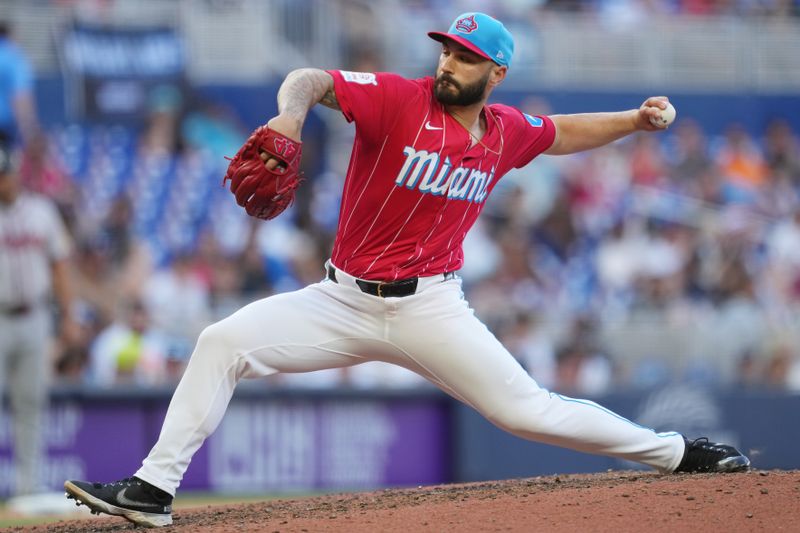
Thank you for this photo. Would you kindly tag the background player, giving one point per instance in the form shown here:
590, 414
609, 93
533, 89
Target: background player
426, 155
34, 248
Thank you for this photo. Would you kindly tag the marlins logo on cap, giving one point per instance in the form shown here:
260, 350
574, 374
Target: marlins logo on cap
482, 34
466, 24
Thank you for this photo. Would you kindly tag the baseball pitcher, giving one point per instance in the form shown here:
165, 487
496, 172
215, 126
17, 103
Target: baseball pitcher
426, 155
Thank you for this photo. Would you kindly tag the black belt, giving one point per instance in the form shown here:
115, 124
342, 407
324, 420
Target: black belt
16, 310
387, 289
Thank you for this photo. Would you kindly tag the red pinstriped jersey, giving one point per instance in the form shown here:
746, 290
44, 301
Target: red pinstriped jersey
416, 181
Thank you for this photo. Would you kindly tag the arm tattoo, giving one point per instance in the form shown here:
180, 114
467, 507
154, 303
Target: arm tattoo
304, 88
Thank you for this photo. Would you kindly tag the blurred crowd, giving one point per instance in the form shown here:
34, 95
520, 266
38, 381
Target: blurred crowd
627, 9
663, 257
672, 256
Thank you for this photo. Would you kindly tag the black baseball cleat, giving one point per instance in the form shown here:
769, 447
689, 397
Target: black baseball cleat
138, 501
704, 456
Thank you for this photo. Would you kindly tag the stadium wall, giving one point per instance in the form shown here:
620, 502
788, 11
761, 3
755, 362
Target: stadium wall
714, 111
284, 441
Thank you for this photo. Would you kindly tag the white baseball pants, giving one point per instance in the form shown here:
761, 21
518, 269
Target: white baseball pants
433, 333
24, 369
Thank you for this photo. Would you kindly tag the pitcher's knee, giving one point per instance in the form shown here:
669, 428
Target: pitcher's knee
515, 422
526, 415
214, 341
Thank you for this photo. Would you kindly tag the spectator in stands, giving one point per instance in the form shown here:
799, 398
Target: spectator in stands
129, 257
213, 128
129, 351
740, 326
617, 258
647, 163
582, 367
533, 345
782, 241
741, 163
256, 277
17, 103
162, 132
690, 158
780, 367
531, 190
782, 150
178, 304
41, 174
792, 382
226, 294
95, 287
508, 273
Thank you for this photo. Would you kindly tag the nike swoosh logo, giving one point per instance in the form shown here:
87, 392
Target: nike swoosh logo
429, 127
121, 498
510, 380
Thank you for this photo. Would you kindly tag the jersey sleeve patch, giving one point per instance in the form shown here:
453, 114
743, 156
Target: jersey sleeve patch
536, 122
362, 78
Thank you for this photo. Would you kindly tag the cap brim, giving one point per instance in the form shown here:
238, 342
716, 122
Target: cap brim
441, 37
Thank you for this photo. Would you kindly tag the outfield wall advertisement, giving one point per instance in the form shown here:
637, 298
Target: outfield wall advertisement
301, 441
262, 445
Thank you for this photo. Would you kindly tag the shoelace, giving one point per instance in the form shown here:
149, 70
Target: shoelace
127, 482
703, 454
154, 492
705, 444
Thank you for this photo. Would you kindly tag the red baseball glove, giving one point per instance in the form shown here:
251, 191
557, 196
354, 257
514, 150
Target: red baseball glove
262, 192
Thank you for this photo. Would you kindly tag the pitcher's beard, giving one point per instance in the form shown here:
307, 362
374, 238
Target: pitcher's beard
454, 93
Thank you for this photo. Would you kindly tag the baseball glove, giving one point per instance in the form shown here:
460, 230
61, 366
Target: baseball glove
262, 192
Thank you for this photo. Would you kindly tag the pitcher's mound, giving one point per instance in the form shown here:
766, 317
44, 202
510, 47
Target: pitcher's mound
613, 502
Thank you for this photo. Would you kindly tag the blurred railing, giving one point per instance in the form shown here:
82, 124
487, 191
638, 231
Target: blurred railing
719, 54
245, 41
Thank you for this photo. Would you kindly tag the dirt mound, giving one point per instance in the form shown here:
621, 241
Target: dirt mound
614, 501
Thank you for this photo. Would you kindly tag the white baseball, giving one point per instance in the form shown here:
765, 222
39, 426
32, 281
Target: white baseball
666, 118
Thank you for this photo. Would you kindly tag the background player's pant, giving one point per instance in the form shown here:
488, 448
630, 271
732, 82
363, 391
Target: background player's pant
434, 333
24, 344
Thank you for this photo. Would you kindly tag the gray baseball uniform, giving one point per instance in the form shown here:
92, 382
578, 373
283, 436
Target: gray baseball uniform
32, 235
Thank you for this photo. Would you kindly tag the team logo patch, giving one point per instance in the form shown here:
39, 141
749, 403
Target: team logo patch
284, 148
467, 24
362, 78
536, 122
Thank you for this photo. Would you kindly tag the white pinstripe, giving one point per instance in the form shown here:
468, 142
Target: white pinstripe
353, 158
411, 214
418, 253
363, 189
374, 220
420, 248
441, 216
463, 218
372, 225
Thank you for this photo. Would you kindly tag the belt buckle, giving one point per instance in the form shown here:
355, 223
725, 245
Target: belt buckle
380, 293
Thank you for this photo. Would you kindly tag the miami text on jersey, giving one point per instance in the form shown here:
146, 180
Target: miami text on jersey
426, 172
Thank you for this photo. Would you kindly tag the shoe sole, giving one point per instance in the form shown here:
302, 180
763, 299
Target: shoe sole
738, 463
99, 506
